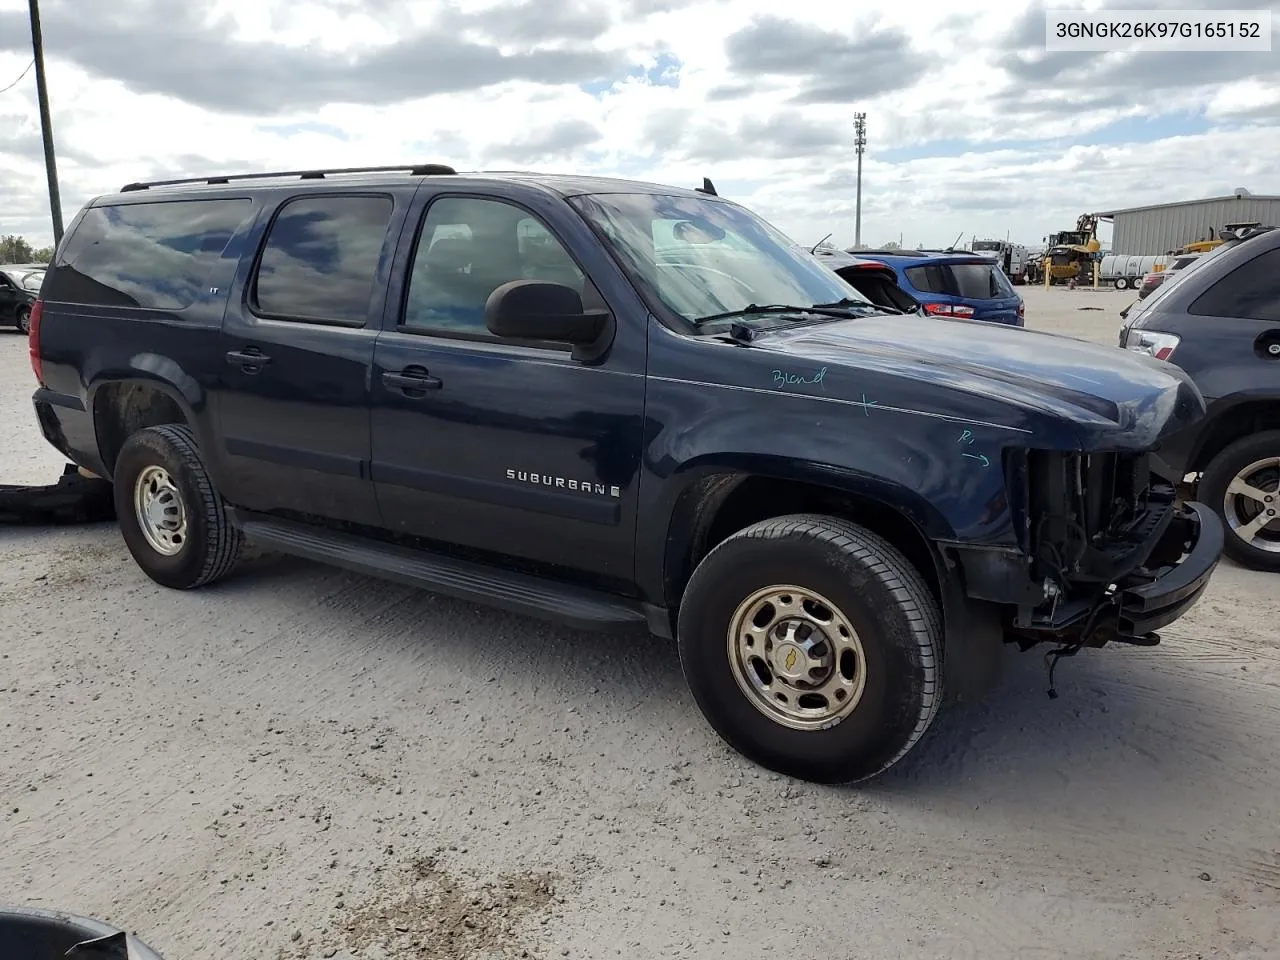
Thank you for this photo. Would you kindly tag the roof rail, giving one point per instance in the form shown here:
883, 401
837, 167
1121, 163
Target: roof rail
415, 170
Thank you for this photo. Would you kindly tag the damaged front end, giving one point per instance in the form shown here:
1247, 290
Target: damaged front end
1112, 553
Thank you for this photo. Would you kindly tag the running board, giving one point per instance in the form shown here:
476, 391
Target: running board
488, 586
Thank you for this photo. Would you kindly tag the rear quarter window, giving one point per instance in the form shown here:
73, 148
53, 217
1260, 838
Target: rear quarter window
151, 255
1251, 291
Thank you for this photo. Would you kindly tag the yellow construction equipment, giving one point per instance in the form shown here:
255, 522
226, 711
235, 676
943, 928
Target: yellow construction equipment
1071, 253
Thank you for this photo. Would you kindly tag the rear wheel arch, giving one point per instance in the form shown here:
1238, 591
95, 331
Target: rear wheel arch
123, 407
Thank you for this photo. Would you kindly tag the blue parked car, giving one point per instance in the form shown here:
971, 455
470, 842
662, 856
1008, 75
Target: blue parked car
963, 286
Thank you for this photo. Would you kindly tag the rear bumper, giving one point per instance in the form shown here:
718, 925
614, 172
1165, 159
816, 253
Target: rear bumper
1154, 599
68, 428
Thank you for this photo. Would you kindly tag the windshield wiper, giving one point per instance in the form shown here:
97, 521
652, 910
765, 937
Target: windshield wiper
848, 304
754, 309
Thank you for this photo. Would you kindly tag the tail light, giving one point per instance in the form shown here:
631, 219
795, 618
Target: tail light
1158, 345
948, 310
33, 340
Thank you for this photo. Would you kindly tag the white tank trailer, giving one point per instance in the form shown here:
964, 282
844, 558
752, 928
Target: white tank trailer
1125, 271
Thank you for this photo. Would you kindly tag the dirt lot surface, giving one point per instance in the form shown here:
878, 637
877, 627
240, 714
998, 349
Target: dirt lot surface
301, 763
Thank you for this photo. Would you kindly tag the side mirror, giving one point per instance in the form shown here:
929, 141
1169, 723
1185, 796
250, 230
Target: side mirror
535, 310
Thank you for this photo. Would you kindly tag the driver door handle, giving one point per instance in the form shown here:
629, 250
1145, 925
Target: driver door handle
412, 381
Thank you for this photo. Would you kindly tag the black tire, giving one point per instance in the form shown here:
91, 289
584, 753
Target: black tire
211, 546
1212, 491
23, 317
1122, 283
885, 601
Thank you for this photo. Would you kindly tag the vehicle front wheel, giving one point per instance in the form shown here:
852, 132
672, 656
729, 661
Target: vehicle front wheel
1242, 483
813, 647
172, 519
24, 319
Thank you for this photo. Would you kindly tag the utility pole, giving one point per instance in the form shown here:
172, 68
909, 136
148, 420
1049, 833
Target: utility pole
859, 144
46, 124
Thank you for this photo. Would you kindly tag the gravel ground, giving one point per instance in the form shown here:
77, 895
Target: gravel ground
303, 763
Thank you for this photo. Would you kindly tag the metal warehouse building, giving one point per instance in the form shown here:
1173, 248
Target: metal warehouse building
1161, 228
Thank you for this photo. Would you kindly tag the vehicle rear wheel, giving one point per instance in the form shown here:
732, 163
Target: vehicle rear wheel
1122, 283
172, 519
1242, 483
813, 647
24, 319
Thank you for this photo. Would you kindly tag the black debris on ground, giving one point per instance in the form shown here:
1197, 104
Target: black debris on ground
74, 499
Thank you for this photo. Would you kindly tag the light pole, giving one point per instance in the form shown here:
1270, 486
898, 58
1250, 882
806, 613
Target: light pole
46, 125
859, 144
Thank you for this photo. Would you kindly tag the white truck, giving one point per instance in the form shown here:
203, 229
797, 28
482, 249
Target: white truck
1012, 257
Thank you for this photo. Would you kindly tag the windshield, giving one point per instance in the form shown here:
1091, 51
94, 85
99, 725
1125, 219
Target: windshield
703, 258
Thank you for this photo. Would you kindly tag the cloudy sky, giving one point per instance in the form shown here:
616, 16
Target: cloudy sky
972, 127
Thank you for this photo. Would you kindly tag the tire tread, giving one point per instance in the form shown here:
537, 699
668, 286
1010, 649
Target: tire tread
223, 540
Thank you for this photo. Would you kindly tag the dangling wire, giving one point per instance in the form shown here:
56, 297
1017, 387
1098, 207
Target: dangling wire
20, 76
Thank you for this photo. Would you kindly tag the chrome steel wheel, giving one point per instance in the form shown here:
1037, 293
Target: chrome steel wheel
796, 657
162, 516
1252, 504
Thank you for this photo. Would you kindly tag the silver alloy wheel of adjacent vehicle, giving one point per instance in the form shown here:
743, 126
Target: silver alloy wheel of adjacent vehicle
162, 516
796, 657
24, 319
1252, 504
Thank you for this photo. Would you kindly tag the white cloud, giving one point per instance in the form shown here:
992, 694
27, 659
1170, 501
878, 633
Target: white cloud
972, 128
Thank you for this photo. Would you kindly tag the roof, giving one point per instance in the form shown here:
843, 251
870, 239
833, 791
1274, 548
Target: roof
564, 185
921, 256
1190, 203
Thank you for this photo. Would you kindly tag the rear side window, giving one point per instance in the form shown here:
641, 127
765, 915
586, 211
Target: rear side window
1251, 291
151, 255
929, 279
320, 259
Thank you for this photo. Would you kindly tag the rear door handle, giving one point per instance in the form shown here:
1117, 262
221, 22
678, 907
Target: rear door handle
250, 359
412, 381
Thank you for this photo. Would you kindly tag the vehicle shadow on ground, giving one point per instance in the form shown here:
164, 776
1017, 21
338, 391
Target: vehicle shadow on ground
1130, 724
1126, 724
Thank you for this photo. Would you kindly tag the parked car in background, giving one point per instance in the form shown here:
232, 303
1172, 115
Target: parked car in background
1220, 322
876, 281
954, 286
1152, 280
19, 288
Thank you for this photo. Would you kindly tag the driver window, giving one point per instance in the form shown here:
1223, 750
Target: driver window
467, 248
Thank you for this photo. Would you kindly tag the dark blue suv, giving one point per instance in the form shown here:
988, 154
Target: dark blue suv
960, 286
617, 405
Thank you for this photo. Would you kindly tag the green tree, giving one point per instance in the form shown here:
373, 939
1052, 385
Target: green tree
15, 249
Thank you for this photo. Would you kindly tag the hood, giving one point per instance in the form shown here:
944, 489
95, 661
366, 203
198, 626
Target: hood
1114, 397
